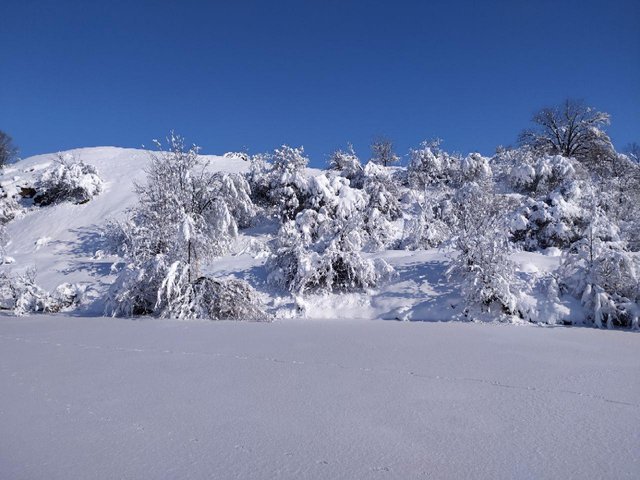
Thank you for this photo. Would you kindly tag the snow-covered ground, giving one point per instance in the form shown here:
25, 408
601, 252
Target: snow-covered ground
100, 398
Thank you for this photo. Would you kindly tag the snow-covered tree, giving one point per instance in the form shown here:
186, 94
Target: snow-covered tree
278, 180
553, 220
234, 190
429, 165
206, 298
540, 174
20, 293
599, 270
383, 206
573, 130
481, 261
348, 164
184, 218
8, 150
475, 168
425, 227
67, 180
259, 179
179, 209
382, 152
320, 251
288, 180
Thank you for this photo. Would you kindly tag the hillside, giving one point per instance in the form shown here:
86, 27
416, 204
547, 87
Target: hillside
63, 242
333, 388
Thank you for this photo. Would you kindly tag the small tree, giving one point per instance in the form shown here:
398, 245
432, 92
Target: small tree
186, 215
481, 262
348, 164
287, 180
8, 151
382, 152
599, 271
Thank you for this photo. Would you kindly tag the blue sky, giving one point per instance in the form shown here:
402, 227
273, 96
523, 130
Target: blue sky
242, 74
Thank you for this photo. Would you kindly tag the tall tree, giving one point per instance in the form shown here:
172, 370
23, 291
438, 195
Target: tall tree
571, 129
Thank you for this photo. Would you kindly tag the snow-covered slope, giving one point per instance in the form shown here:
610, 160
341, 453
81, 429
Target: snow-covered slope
86, 397
63, 243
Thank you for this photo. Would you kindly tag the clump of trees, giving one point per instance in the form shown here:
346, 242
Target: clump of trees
321, 250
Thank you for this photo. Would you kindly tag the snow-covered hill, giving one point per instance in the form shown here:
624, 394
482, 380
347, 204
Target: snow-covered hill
63, 242
87, 397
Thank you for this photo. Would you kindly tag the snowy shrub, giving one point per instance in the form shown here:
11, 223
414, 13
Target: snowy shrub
554, 220
304, 261
206, 298
430, 165
21, 294
481, 261
259, 179
425, 228
244, 156
383, 206
166, 290
278, 181
349, 166
475, 168
619, 197
67, 180
235, 191
541, 175
135, 290
287, 181
382, 191
320, 251
603, 275
67, 295
9, 207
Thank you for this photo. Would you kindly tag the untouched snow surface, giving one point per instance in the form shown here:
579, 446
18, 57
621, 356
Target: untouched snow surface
99, 398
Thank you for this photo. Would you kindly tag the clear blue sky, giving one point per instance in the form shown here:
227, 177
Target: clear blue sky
234, 74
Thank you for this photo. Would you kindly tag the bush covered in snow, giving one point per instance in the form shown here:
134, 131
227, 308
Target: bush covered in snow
425, 227
67, 180
430, 165
320, 251
599, 270
9, 207
20, 293
162, 289
349, 166
279, 181
481, 260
